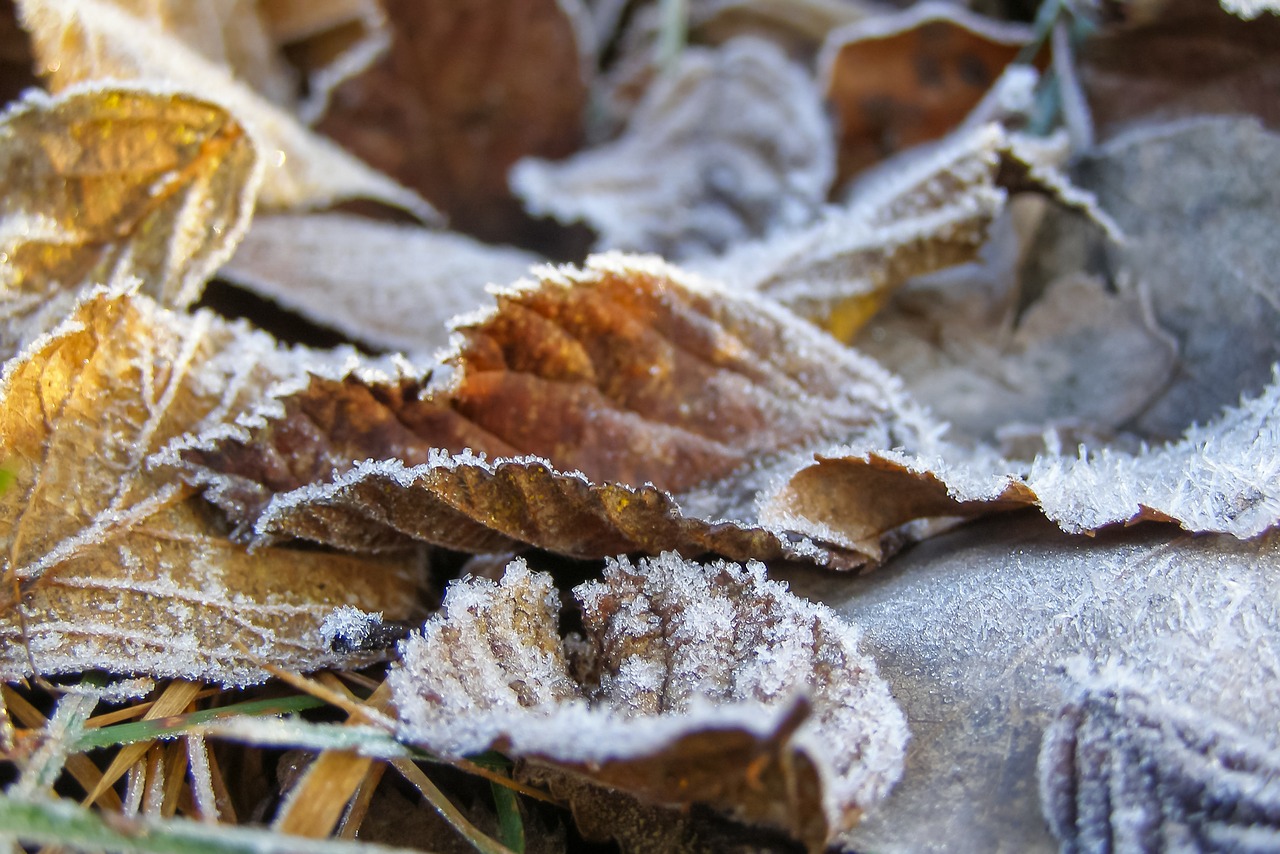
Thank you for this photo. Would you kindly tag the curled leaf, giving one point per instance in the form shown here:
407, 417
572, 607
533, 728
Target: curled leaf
109, 186
597, 396
897, 80
111, 564
732, 145
929, 213
695, 684
80, 41
388, 286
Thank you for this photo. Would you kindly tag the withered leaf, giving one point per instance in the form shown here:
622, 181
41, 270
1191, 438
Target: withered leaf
388, 286
973, 630
1200, 248
732, 145
79, 41
929, 213
1185, 59
1223, 477
463, 93
896, 80
112, 185
597, 395
109, 563
695, 684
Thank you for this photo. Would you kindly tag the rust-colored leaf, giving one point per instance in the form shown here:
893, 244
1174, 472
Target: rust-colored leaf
115, 564
597, 395
105, 186
695, 684
82, 41
464, 92
907, 78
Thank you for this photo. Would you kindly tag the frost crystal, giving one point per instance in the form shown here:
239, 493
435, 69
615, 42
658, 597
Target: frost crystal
687, 672
348, 629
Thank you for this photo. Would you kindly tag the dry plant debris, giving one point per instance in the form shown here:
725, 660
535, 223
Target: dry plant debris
509, 577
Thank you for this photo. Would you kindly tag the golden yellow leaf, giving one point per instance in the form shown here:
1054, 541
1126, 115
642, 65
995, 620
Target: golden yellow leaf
117, 565
96, 40
112, 185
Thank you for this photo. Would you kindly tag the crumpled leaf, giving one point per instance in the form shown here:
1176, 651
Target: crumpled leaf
120, 566
272, 44
108, 186
1181, 59
79, 41
972, 630
694, 684
463, 93
598, 395
732, 145
929, 213
1123, 769
897, 80
1222, 478
388, 286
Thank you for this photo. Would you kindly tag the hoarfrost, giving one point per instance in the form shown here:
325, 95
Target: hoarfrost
676, 653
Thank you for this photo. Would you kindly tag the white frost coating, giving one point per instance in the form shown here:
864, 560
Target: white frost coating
348, 626
1250, 9
732, 145
390, 286
684, 648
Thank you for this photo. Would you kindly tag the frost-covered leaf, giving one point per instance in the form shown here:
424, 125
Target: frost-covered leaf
930, 212
463, 93
897, 80
110, 186
1223, 477
79, 41
1078, 358
973, 629
388, 286
1196, 201
732, 145
1250, 9
694, 684
1123, 769
597, 395
114, 564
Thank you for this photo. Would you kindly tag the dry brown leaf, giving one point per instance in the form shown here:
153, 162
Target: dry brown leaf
464, 93
732, 145
121, 567
1221, 478
79, 41
695, 684
387, 286
108, 186
929, 213
1187, 58
627, 383
901, 79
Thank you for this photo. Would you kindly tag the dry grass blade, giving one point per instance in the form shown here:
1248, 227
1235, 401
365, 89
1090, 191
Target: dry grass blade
80, 767
176, 697
359, 808
317, 803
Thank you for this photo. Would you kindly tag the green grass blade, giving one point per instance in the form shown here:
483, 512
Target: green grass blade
178, 724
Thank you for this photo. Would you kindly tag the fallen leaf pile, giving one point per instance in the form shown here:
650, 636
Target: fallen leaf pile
674, 551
